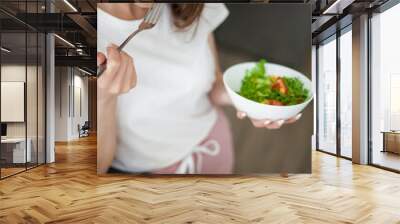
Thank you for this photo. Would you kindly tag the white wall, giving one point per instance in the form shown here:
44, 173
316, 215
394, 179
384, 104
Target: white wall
70, 83
79, 103
61, 104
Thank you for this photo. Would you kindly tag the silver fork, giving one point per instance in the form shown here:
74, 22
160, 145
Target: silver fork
149, 21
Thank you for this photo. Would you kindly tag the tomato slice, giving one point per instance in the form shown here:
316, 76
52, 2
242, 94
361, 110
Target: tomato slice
279, 85
273, 102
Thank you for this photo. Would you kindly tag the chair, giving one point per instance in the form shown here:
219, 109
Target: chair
84, 130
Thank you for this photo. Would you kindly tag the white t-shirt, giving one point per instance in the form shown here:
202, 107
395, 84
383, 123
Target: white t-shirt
169, 111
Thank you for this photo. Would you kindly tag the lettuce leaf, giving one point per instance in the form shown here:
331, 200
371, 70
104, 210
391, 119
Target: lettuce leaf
258, 86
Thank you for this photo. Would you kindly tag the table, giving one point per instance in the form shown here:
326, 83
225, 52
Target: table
391, 141
13, 150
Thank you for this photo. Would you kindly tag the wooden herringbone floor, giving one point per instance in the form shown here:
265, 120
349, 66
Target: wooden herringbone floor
69, 191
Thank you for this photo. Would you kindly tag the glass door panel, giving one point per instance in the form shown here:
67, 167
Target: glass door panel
31, 101
385, 89
346, 94
14, 154
327, 96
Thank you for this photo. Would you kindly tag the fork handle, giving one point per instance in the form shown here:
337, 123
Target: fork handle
101, 68
128, 39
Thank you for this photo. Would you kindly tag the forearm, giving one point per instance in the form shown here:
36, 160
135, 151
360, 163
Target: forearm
107, 131
119, 78
219, 95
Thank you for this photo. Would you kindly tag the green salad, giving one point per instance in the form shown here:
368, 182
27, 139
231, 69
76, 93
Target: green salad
272, 89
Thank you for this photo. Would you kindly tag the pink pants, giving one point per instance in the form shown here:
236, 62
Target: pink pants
221, 163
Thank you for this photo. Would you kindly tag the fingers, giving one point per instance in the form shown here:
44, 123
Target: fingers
119, 77
113, 59
129, 77
269, 124
120, 74
101, 58
240, 115
275, 124
293, 119
258, 123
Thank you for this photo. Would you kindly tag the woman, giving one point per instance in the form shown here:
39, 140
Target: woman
158, 99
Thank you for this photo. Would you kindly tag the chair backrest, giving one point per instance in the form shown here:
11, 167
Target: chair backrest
86, 125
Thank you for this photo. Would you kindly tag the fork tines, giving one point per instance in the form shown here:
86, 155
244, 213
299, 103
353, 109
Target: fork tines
153, 14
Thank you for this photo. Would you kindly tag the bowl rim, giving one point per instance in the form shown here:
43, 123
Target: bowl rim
252, 101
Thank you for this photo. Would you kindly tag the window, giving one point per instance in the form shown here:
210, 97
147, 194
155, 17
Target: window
346, 93
334, 106
22, 77
385, 89
327, 96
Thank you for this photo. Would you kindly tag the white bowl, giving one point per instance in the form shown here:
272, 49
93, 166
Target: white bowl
233, 81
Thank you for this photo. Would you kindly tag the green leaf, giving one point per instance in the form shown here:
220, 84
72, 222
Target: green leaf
257, 86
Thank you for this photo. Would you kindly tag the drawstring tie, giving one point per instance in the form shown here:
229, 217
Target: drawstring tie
188, 165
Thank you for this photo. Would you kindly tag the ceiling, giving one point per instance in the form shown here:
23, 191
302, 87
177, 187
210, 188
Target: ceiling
75, 21
332, 15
